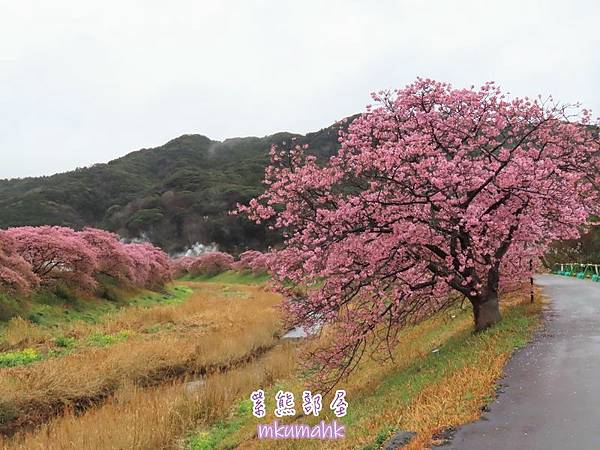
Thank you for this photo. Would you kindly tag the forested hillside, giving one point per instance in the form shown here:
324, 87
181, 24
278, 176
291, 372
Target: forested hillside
174, 195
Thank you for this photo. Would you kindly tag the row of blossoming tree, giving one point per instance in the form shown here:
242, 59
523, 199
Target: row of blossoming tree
46, 256
434, 190
213, 263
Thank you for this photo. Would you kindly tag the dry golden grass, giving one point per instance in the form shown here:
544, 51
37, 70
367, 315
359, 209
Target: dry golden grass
156, 418
214, 330
210, 305
452, 401
21, 331
202, 309
459, 397
415, 343
421, 391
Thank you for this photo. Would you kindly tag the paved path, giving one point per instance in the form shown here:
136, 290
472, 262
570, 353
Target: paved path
551, 398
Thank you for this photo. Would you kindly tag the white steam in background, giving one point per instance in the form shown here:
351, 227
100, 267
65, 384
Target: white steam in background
196, 250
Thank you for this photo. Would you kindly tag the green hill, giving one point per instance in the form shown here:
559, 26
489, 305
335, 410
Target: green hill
174, 195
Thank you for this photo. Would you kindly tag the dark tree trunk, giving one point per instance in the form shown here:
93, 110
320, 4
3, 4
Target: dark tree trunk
486, 310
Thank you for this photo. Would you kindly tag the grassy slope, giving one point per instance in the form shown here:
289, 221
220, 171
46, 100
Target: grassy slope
231, 277
51, 309
219, 323
47, 316
141, 345
422, 391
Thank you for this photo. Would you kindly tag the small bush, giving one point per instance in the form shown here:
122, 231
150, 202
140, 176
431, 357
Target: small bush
19, 358
20, 330
35, 318
7, 412
109, 293
104, 340
64, 293
9, 307
65, 342
153, 329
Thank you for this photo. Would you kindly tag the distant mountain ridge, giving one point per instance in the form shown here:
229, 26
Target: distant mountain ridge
174, 195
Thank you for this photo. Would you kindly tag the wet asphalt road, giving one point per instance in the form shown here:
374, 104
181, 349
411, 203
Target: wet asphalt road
550, 398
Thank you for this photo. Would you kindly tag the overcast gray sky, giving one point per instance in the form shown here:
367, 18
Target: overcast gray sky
87, 81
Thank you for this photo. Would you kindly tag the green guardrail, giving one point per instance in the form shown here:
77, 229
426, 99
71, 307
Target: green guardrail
579, 271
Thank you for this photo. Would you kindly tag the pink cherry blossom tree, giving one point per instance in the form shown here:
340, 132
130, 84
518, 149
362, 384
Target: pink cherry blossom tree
49, 255
181, 266
252, 261
151, 266
16, 274
211, 263
112, 258
57, 254
434, 190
